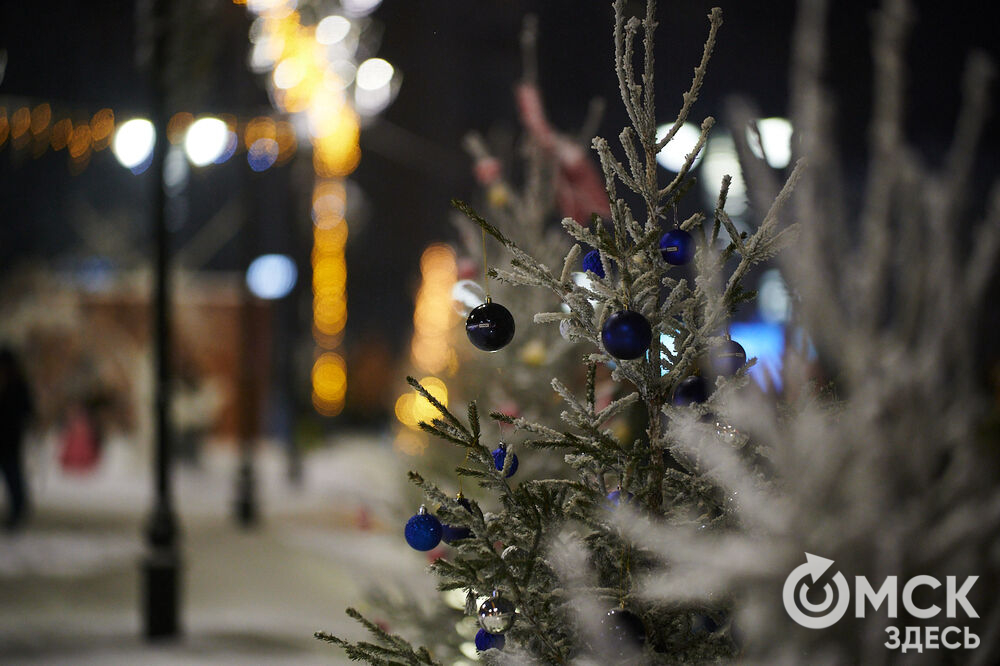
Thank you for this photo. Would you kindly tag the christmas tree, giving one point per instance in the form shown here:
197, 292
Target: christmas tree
672, 547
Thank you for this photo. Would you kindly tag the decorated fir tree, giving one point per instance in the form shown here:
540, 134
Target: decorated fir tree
651, 277
672, 546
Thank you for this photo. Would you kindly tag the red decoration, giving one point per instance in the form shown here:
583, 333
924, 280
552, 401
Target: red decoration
579, 188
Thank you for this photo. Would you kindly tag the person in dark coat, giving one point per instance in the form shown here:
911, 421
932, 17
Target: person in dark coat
16, 408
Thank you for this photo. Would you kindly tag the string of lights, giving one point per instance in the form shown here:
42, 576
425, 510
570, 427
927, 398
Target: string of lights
312, 74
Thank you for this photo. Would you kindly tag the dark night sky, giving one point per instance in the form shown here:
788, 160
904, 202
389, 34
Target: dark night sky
459, 60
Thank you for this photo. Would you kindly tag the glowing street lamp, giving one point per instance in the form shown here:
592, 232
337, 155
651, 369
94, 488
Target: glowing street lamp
133, 144
206, 140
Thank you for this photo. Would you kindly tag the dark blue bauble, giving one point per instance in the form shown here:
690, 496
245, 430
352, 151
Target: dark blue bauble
677, 247
622, 633
592, 263
626, 335
490, 326
691, 390
499, 456
485, 640
616, 497
727, 358
423, 531
449, 533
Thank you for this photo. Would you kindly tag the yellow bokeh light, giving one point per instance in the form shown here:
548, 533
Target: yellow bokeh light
327, 407
423, 410
336, 151
287, 143
102, 127
329, 240
412, 407
404, 409
79, 142
329, 377
41, 116
61, 133
433, 315
259, 128
177, 126
20, 121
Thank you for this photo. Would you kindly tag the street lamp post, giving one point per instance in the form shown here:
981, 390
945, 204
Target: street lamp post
162, 563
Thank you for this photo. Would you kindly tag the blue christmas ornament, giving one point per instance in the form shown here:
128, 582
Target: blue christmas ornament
449, 533
485, 640
500, 455
423, 531
677, 247
691, 390
623, 633
616, 497
592, 263
490, 326
626, 335
727, 358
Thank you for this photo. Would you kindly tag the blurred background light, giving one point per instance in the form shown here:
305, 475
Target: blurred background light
176, 171
773, 301
232, 142
674, 154
206, 140
339, 75
374, 73
764, 341
721, 160
262, 155
133, 144
359, 7
271, 276
332, 29
776, 137
433, 315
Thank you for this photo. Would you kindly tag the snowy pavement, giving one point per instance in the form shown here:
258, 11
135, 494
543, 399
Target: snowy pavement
70, 583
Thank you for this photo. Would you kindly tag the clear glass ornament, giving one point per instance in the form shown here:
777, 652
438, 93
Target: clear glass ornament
496, 614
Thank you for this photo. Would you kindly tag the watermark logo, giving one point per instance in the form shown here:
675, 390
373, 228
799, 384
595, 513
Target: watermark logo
817, 577
811, 575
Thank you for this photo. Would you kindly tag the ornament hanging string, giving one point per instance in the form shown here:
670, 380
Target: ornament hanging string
486, 271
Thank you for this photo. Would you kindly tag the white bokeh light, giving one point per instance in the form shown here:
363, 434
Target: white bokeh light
133, 142
289, 73
776, 137
374, 73
359, 7
721, 160
332, 29
773, 301
271, 276
674, 154
206, 140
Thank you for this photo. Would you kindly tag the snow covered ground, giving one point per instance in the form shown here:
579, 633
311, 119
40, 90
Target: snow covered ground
70, 584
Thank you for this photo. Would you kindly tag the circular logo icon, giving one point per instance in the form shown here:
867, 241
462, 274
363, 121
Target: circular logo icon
803, 578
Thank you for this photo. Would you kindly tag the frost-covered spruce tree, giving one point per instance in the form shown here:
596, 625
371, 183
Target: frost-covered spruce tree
898, 478
525, 564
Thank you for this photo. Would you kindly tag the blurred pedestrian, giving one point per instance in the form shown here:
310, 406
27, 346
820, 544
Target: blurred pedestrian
16, 408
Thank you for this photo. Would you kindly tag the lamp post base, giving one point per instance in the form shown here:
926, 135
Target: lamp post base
161, 592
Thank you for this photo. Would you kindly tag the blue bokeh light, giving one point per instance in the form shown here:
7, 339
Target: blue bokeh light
271, 276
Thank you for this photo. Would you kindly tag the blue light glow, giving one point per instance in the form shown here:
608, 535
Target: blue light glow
271, 276
764, 341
